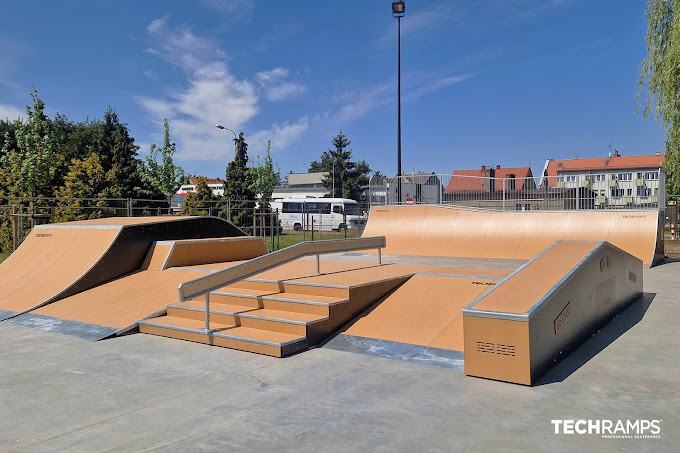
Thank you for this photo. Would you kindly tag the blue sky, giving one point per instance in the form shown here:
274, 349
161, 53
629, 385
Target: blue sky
484, 82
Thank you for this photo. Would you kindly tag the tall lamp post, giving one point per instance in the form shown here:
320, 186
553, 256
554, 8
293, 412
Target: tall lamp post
219, 126
398, 10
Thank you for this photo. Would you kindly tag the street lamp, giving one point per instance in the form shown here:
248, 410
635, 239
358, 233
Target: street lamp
219, 126
398, 10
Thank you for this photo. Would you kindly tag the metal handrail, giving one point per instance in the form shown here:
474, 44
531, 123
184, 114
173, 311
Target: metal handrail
204, 285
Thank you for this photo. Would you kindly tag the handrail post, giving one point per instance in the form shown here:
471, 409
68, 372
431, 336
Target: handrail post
207, 311
379, 255
318, 265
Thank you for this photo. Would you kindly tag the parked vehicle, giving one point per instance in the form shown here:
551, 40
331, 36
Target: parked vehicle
324, 214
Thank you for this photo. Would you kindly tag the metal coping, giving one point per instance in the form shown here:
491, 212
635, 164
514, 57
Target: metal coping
216, 333
527, 315
6, 314
477, 209
80, 227
469, 307
432, 274
281, 299
136, 323
66, 327
423, 355
249, 314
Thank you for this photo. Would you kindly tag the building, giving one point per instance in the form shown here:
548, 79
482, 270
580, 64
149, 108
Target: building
416, 188
215, 184
490, 179
302, 185
616, 181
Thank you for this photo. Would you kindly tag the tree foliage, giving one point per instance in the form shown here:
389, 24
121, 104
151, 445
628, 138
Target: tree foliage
85, 179
198, 203
659, 81
165, 177
348, 176
237, 184
263, 178
35, 157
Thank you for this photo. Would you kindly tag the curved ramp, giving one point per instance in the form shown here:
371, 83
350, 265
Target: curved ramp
59, 260
448, 231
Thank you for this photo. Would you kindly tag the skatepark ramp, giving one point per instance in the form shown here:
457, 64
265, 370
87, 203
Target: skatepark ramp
454, 232
542, 311
277, 317
116, 306
59, 260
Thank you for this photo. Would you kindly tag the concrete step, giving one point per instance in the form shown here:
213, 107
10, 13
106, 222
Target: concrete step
277, 344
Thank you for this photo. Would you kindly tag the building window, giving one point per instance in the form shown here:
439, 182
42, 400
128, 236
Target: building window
625, 176
643, 192
639, 175
518, 207
527, 207
572, 178
617, 193
652, 175
629, 192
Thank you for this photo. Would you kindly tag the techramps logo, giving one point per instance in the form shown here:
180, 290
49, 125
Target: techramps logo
610, 429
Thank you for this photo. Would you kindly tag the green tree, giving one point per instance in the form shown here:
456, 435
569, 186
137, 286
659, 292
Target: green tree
237, 185
85, 179
659, 81
263, 177
345, 175
164, 177
118, 154
198, 203
35, 156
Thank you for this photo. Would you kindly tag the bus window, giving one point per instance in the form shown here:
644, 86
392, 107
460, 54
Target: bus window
337, 209
352, 209
291, 207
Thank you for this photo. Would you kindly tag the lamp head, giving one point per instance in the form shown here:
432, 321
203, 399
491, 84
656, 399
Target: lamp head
398, 8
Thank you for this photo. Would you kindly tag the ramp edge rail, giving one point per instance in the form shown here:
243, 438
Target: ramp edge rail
203, 286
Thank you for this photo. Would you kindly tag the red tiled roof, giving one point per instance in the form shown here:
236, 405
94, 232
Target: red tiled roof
459, 182
556, 167
194, 181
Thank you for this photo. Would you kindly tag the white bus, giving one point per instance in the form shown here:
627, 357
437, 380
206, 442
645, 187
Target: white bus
324, 214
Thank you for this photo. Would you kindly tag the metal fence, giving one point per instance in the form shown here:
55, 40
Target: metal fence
557, 193
19, 214
671, 227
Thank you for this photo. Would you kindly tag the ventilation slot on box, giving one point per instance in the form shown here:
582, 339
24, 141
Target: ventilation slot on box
505, 349
562, 317
632, 277
489, 348
606, 303
603, 263
609, 261
498, 349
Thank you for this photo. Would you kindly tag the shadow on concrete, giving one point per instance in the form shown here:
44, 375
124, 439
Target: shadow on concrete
625, 320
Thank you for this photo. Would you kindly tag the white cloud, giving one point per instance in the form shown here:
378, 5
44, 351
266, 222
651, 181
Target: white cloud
151, 74
281, 136
212, 93
9, 112
356, 104
275, 86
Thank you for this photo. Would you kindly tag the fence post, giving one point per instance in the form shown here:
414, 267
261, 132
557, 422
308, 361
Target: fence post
504, 194
15, 228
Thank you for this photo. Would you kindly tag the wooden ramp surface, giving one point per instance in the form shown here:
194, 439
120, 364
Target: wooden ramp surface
48, 262
425, 311
447, 231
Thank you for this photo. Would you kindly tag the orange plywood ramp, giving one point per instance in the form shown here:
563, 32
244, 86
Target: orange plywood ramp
425, 311
48, 263
59, 260
447, 231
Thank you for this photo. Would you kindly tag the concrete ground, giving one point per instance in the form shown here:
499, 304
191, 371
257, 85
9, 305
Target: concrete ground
146, 393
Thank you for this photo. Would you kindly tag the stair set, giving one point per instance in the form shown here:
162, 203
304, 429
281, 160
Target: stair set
276, 318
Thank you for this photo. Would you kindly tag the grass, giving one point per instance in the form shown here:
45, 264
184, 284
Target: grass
3, 256
289, 238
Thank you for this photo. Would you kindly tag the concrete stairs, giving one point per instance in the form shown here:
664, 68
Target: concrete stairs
276, 318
